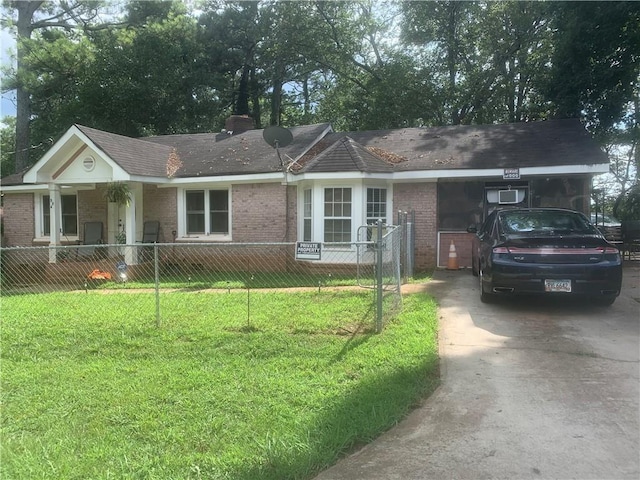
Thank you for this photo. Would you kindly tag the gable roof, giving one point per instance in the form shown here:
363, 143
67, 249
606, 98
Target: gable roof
135, 156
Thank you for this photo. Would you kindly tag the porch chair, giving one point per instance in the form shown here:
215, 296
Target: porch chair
150, 234
630, 238
92, 237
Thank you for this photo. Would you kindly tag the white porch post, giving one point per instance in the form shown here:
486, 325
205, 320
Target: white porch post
133, 211
55, 219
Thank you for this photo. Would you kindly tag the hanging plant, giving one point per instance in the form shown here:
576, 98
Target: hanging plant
118, 192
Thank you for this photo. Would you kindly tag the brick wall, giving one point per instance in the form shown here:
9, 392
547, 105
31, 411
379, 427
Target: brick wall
259, 213
160, 204
92, 207
293, 214
422, 198
18, 219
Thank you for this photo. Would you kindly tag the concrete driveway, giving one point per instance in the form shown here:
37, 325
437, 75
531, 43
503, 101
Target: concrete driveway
530, 388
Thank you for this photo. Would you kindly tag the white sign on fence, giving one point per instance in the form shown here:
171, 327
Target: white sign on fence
308, 250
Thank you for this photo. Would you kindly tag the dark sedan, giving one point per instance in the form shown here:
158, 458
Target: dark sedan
544, 251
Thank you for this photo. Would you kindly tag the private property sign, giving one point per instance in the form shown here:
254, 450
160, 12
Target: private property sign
308, 250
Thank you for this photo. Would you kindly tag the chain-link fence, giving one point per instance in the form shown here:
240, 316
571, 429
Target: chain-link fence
149, 273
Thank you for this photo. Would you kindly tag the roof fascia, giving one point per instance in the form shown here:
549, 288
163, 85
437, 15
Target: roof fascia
421, 175
340, 176
151, 180
235, 179
27, 188
434, 175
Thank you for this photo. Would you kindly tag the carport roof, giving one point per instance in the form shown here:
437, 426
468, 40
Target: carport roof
517, 145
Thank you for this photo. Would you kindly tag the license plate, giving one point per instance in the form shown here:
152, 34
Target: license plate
557, 286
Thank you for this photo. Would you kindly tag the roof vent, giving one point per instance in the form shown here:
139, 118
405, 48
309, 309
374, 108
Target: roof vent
88, 163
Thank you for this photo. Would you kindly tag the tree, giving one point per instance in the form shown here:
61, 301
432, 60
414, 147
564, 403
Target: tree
26, 17
7, 145
489, 59
596, 61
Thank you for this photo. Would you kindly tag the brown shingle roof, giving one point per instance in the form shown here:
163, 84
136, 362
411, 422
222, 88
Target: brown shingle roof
215, 154
346, 155
546, 143
135, 156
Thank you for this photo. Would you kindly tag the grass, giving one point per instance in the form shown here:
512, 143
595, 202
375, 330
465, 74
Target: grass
92, 389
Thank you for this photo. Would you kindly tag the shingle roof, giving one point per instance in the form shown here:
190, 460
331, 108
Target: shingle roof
316, 149
546, 143
135, 156
215, 154
346, 155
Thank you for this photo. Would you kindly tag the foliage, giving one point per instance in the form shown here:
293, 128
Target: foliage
7, 146
118, 192
91, 389
595, 62
628, 207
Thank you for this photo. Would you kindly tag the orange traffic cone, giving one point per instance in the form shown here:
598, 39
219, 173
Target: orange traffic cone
453, 257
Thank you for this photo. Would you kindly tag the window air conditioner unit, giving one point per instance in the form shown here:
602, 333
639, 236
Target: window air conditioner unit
507, 196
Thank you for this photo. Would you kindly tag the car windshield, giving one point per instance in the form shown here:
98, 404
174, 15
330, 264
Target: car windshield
547, 221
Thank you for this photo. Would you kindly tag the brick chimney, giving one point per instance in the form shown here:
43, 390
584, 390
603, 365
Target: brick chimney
236, 124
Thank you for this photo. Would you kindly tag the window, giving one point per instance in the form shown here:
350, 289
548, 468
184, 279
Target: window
337, 215
307, 216
207, 212
376, 205
69, 220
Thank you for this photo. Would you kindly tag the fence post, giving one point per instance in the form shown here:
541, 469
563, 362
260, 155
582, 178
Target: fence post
156, 271
379, 266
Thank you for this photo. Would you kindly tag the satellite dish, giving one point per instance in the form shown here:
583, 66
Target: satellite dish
277, 137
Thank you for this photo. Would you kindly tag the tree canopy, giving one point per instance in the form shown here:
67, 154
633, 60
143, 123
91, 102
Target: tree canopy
148, 67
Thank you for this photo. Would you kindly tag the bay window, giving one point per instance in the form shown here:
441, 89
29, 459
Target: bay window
333, 214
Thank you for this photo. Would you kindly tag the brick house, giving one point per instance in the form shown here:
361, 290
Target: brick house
234, 187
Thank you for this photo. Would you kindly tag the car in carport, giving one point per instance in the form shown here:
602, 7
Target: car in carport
546, 251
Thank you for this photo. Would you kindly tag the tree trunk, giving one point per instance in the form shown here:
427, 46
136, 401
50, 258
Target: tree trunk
276, 100
25, 9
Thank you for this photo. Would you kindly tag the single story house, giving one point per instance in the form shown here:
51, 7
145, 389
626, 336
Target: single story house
233, 186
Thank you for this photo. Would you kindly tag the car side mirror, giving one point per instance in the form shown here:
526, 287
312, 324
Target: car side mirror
472, 229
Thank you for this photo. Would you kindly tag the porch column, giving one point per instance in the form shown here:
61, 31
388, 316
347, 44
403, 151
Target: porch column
133, 211
55, 219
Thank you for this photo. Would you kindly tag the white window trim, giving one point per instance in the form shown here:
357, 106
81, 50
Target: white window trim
303, 210
182, 215
39, 219
389, 221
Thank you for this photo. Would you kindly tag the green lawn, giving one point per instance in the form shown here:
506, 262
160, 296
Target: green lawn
92, 389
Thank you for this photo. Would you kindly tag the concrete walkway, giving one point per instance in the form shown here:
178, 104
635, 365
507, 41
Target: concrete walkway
531, 389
